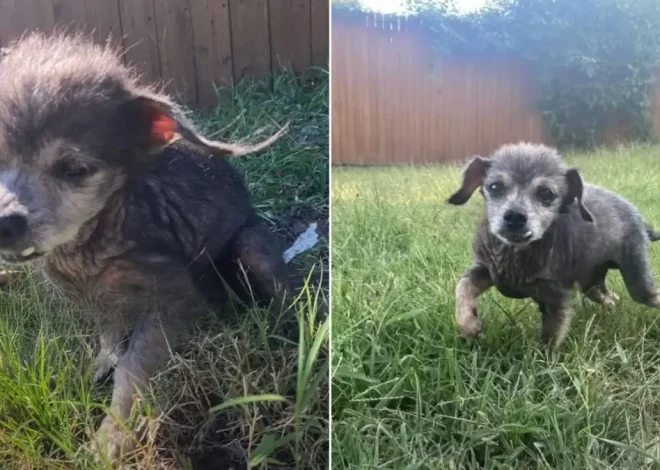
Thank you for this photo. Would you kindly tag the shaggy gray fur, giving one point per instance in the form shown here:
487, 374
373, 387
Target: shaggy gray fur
126, 208
546, 231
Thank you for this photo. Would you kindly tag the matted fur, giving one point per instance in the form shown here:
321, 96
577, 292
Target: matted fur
109, 189
562, 233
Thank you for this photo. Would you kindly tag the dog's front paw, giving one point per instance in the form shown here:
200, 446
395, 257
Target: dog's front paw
602, 296
610, 299
469, 324
113, 441
104, 364
654, 301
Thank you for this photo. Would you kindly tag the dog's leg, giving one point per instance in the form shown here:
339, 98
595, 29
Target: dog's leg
260, 255
473, 283
601, 295
149, 346
597, 291
112, 348
158, 297
556, 316
637, 275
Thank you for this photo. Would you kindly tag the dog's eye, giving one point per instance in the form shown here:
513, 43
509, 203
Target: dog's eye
73, 171
496, 188
546, 195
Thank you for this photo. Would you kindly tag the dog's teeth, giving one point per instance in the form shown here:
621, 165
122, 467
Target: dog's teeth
27, 251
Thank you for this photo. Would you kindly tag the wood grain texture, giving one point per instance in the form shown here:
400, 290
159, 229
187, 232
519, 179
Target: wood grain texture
395, 101
320, 24
103, 17
290, 34
12, 20
250, 37
71, 14
96, 18
19, 16
192, 45
140, 37
41, 16
213, 48
176, 47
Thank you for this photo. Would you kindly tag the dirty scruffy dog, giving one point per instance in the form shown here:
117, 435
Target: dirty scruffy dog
546, 231
108, 189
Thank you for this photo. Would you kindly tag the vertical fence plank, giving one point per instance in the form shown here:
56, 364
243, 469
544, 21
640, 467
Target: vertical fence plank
140, 38
191, 44
320, 32
70, 14
40, 15
290, 34
250, 38
19, 16
103, 17
346, 97
177, 52
394, 100
12, 22
96, 18
213, 53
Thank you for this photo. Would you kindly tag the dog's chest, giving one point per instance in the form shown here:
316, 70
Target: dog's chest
518, 273
73, 275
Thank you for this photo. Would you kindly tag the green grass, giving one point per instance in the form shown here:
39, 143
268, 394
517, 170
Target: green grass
409, 393
237, 392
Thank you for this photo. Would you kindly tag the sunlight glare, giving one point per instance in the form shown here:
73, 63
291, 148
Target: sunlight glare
399, 6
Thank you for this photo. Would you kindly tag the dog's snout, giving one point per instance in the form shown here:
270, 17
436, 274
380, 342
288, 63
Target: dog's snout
12, 228
515, 220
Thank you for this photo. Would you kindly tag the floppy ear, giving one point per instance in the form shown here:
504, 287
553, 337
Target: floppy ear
575, 188
165, 122
473, 178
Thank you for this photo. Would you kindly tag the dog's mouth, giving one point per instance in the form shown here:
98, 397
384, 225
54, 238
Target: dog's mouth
25, 256
519, 238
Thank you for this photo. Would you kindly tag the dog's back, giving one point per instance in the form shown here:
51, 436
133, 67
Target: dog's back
186, 203
191, 205
618, 225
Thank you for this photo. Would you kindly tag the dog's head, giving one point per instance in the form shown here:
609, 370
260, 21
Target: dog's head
526, 187
75, 124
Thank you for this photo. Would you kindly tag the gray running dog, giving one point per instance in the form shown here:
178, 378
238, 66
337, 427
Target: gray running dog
545, 231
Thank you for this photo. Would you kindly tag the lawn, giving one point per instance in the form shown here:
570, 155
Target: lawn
409, 393
238, 391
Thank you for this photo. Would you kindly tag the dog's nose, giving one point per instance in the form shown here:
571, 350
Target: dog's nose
514, 220
12, 228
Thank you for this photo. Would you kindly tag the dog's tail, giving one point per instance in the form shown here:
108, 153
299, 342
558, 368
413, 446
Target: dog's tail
653, 235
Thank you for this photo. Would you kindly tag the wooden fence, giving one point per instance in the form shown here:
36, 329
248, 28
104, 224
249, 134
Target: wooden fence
190, 44
395, 100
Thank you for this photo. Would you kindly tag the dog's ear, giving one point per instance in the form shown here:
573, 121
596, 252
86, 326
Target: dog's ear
473, 178
165, 122
575, 189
